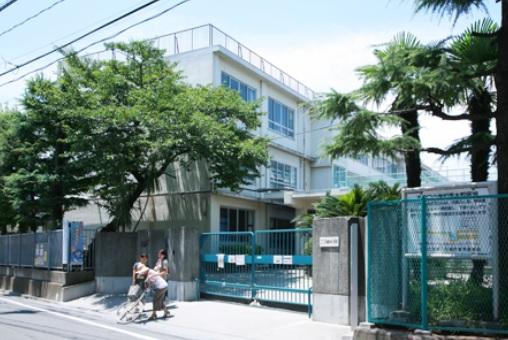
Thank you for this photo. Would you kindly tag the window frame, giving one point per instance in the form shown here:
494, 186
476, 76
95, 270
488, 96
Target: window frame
277, 114
226, 80
249, 216
283, 175
339, 183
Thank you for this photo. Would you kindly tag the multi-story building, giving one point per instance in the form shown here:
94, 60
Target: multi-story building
298, 175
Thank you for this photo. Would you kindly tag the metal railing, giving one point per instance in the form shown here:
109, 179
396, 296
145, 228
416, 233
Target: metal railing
208, 35
42, 250
439, 263
265, 265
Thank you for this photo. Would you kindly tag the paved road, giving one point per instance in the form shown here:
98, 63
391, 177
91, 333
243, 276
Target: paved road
22, 318
93, 317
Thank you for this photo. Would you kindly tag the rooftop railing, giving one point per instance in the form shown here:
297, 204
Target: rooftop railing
208, 35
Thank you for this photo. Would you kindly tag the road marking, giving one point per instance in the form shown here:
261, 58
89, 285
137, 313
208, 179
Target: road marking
88, 322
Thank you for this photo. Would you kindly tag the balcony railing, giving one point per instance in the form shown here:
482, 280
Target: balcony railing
208, 35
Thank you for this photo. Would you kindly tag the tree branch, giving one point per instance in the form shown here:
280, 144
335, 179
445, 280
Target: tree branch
486, 35
446, 152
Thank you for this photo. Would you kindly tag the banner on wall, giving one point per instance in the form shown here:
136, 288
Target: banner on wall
73, 243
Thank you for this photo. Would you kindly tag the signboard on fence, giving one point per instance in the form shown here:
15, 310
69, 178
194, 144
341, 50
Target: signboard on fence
41, 254
73, 243
456, 227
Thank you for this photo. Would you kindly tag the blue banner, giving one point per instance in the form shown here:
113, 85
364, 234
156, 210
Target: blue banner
77, 242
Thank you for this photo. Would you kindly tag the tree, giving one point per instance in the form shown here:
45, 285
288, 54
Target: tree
142, 118
397, 76
456, 8
7, 217
42, 176
354, 203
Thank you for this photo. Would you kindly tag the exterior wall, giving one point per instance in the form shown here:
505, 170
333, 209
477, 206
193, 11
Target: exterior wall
321, 178
197, 66
217, 201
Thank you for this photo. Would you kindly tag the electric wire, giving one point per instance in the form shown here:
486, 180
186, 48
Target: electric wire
97, 42
59, 48
31, 17
7, 4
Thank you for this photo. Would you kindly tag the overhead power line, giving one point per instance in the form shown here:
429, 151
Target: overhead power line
59, 48
7, 4
97, 42
31, 17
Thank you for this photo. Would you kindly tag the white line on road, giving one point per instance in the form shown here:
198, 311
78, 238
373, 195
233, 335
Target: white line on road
88, 322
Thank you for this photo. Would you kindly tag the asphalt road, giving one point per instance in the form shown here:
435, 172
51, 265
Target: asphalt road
24, 318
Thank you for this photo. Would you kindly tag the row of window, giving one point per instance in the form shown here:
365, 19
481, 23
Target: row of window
281, 118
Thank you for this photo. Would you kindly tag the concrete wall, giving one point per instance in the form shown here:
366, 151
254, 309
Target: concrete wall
183, 257
115, 253
53, 285
332, 271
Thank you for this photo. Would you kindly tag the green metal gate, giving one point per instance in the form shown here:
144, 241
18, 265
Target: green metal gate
265, 265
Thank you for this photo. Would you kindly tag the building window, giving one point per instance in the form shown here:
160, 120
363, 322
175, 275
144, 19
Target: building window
234, 219
281, 118
364, 159
282, 175
339, 177
246, 92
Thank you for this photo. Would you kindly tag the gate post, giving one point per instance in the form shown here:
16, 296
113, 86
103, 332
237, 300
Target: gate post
423, 265
253, 266
183, 257
338, 270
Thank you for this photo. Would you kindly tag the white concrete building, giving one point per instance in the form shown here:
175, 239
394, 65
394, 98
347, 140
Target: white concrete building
298, 176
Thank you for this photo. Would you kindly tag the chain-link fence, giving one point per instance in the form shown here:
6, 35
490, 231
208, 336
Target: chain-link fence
439, 263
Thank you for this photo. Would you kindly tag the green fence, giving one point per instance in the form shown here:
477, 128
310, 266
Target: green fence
439, 263
265, 265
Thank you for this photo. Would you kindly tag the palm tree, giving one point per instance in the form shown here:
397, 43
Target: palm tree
457, 8
472, 55
393, 76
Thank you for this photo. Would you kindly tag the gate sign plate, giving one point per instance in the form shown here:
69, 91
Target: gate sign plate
329, 242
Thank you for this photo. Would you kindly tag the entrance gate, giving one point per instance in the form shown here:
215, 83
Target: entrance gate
265, 265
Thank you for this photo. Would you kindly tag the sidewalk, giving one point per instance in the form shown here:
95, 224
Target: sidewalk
209, 319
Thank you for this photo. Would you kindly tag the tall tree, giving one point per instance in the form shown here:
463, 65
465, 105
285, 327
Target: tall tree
142, 118
457, 8
42, 178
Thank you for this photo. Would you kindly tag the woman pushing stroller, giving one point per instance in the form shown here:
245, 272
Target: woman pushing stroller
158, 284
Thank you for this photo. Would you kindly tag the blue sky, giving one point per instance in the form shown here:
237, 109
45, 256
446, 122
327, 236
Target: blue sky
319, 42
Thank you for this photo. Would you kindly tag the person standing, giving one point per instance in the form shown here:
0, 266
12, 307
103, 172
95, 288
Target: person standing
159, 286
162, 264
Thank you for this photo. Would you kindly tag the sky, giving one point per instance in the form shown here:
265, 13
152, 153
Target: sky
319, 42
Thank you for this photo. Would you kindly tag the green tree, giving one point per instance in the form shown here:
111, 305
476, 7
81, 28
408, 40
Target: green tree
42, 176
354, 203
142, 118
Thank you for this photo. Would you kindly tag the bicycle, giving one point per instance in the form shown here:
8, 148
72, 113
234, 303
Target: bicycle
132, 309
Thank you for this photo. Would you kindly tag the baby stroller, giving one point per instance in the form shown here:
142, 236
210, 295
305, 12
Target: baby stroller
132, 309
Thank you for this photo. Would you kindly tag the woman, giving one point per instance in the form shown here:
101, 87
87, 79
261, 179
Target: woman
159, 286
139, 279
162, 265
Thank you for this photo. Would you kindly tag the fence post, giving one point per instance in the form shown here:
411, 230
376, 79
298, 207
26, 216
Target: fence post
48, 251
253, 265
423, 263
210, 35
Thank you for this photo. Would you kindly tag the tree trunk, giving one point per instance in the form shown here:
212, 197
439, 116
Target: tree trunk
126, 204
412, 158
502, 154
479, 104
